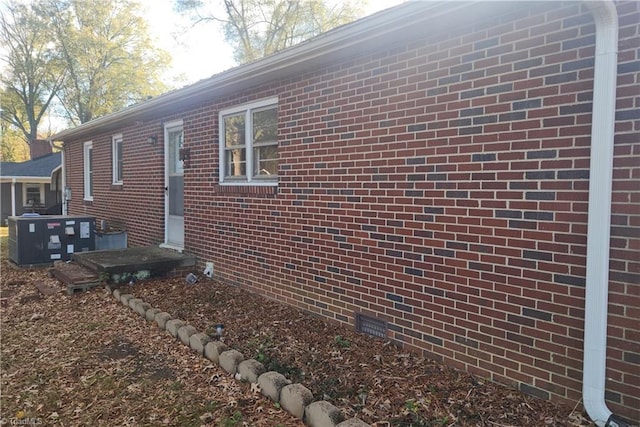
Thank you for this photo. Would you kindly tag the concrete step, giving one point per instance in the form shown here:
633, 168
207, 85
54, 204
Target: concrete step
120, 265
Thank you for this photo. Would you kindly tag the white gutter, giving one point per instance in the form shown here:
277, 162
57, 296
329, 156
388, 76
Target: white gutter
599, 222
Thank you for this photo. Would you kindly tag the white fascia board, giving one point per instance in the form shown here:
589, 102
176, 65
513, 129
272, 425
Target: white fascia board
26, 179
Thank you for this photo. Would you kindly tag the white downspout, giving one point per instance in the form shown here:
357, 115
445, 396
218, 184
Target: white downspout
599, 222
63, 183
13, 197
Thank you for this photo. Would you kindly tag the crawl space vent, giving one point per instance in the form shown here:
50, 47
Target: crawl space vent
371, 326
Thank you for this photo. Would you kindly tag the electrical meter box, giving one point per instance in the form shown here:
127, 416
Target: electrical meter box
44, 239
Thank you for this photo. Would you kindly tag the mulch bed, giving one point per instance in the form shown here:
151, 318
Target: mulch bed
365, 377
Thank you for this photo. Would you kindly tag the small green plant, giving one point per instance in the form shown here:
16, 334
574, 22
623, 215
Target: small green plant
231, 421
104, 277
176, 386
441, 421
92, 326
412, 406
341, 341
413, 418
261, 345
211, 331
211, 406
292, 372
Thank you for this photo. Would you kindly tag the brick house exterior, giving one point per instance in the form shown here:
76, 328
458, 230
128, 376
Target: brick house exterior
432, 173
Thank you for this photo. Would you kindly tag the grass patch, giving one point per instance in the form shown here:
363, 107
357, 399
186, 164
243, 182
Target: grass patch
4, 240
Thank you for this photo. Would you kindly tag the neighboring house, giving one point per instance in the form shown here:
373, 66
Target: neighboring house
32, 186
426, 174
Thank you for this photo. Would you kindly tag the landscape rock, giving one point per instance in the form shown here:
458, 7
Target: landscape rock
271, 383
141, 308
198, 341
116, 294
213, 350
150, 314
185, 332
133, 302
250, 370
124, 299
294, 398
322, 414
353, 422
229, 361
161, 319
173, 325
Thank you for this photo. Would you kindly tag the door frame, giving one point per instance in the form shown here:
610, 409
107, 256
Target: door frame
168, 126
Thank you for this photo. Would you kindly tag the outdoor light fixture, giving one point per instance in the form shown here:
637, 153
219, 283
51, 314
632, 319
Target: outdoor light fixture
184, 154
152, 139
219, 329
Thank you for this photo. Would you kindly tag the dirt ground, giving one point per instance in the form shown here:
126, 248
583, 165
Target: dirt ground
87, 360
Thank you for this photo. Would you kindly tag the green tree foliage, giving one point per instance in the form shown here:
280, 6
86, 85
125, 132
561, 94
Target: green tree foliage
258, 28
87, 58
13, 147
109, 57
32, 72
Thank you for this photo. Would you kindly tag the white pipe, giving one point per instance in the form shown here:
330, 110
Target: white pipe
599, 222
63, 183
13, 197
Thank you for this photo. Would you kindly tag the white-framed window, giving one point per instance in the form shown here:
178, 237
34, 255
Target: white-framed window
33, 194
116, 150
88, 170
249, 143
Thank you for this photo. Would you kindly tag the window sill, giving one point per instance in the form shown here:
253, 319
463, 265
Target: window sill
117, 186
87, 202
247, 189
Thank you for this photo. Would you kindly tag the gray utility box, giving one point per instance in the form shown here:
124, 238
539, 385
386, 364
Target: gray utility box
44, 239
111, 240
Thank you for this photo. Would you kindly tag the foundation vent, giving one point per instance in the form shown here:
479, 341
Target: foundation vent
371, 326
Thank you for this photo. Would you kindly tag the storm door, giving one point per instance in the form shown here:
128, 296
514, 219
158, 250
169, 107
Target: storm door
174, 185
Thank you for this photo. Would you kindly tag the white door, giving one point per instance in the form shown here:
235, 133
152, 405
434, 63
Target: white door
174, 186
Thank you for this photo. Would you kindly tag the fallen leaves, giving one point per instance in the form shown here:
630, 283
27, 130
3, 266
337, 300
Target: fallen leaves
255, 388
364, 377
86, 360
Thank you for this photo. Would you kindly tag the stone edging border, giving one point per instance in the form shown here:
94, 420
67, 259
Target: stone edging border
293, 398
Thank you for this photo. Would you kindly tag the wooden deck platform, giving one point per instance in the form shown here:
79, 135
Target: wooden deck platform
91, 269
75, 277
119, 261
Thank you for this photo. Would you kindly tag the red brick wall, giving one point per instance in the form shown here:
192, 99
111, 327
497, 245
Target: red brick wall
439, 185
137, 204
